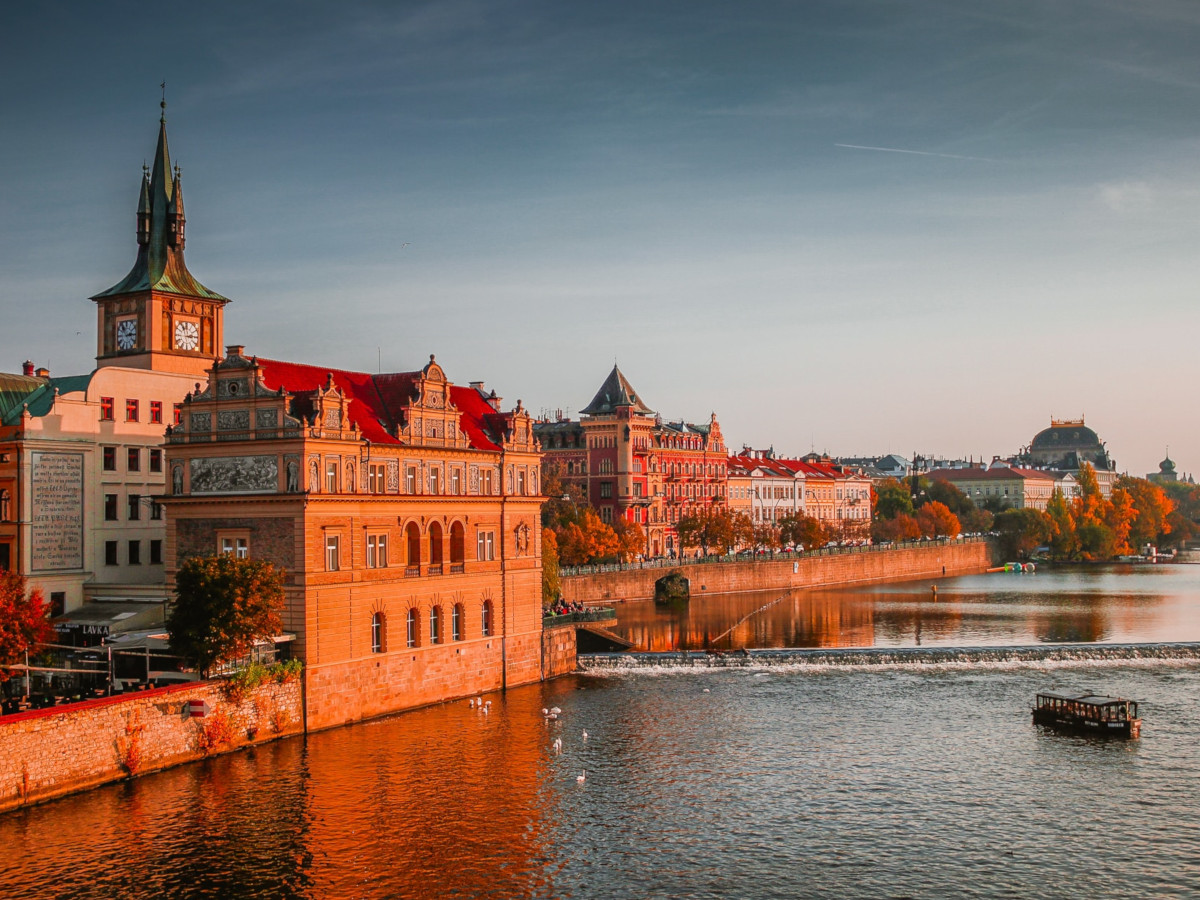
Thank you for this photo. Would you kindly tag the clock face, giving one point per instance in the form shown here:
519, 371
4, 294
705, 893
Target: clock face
187, 336
127, 334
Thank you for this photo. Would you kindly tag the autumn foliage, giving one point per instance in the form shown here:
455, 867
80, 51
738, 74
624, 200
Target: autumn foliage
223, 606
23, 622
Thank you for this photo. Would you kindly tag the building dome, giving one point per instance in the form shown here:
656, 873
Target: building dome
1066, 435
1067, 444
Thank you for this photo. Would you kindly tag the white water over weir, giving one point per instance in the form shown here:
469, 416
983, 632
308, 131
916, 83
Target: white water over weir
886, 656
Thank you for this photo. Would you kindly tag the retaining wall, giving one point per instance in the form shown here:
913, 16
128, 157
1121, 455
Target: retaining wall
49, 752
901, 564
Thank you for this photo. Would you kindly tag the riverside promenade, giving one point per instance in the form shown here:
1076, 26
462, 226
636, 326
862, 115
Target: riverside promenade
827, 567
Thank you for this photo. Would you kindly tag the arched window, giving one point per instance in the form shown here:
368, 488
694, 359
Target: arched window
414, 628
378, 633
412, 537
435, 548
487, 618
456, 619
458, 547
435, 625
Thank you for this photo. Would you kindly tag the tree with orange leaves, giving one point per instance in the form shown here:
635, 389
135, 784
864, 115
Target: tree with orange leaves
23, 622
935, 520
587, 540
1152, 522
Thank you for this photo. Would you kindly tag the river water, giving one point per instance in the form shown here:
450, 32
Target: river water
839, 780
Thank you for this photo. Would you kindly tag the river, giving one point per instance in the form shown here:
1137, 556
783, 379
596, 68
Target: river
906, 780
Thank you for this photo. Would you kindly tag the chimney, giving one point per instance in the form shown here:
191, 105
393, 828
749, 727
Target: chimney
27, 368
235, 350
477, 386
43, 372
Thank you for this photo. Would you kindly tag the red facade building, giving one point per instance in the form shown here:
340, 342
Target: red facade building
632, 465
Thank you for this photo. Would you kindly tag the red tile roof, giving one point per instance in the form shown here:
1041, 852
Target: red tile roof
378, 401
996, 473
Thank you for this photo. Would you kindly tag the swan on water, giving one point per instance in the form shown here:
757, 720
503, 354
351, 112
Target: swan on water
585, 734
555, 710
581, 778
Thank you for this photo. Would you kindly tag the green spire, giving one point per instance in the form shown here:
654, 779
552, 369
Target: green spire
159, 265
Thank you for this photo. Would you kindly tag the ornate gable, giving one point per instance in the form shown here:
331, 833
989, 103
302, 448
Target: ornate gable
431, 418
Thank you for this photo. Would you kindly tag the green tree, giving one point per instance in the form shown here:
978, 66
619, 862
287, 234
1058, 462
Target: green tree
551, 583
23, 622
1022, 531
223, 607
892, 499
1064, 542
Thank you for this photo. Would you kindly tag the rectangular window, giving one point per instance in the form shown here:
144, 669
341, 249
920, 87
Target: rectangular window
107, 407
156, 553
156, 511
131, 410
5, 556
331, 468
456, 481
410, 480
485, 482
177, 415
377, 479
110, 553
133, 459
135, 503
235, 546
110, 459
135, 553
434, 481
110, 508
521, 482
155, 460
333, 553
156, 412
485, 548
606, 489
377, 555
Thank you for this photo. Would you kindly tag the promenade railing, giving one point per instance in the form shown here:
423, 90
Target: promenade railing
581, 618
666, 562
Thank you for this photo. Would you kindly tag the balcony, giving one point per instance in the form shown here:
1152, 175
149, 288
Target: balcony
412, 571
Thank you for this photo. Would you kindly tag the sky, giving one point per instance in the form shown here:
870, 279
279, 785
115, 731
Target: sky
858, 227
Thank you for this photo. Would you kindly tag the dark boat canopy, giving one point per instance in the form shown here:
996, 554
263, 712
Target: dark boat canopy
1089, 699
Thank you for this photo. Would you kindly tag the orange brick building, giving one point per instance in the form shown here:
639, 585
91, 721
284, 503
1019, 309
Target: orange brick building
403, 507
633, 465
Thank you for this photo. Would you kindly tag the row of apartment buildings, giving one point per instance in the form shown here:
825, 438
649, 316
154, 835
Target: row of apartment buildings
630, 463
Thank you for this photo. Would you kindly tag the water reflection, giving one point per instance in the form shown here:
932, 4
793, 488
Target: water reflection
1112, 604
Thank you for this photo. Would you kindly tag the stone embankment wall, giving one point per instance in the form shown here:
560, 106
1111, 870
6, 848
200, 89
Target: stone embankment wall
49, 752
558, 650
901, 564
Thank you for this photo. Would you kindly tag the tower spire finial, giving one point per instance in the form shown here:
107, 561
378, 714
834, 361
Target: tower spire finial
163, 104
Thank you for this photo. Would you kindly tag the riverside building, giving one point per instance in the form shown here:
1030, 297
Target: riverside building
633, 465
81, 456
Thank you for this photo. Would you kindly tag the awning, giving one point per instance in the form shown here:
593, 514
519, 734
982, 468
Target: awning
103, 619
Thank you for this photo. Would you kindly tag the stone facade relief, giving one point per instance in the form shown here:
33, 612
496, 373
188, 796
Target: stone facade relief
314, 474
200, 422
266, 419
473, 482
233, 420
235, 474
393, 476
292, 466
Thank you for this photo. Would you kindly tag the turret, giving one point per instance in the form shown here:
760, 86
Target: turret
143, 213
175, 216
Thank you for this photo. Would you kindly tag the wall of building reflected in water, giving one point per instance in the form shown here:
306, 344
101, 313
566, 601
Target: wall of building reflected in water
1113, 604
446, 799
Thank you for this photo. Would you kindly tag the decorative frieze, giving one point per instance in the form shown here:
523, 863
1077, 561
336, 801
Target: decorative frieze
200, 422
233, 420
235, 474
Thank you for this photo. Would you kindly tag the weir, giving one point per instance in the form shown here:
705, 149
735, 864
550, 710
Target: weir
885, 656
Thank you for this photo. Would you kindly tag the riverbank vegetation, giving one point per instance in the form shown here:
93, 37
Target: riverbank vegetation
223, 607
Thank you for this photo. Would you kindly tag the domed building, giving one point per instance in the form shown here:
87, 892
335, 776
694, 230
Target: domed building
1065, 446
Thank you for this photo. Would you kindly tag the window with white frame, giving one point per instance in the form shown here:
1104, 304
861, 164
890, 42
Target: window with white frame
333, 552
456, 481
485, 548
331, 476
377, 551
435, 481
410, 480
235, 546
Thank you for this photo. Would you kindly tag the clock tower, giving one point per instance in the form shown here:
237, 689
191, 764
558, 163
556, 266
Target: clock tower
160, 317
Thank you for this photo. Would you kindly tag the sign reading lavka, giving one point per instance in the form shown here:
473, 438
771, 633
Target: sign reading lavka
57, 511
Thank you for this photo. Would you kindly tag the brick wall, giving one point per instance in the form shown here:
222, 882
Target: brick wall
558, 650
273, 539
902, 564
47, 753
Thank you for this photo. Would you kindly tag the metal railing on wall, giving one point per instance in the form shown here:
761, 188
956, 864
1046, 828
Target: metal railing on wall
761, 557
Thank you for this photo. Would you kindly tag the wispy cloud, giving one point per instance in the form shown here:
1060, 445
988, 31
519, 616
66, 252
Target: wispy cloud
915, 152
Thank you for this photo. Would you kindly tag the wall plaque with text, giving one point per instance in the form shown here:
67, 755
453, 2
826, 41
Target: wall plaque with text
57, 509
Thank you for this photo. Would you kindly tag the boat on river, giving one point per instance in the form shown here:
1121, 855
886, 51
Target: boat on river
1088, 714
